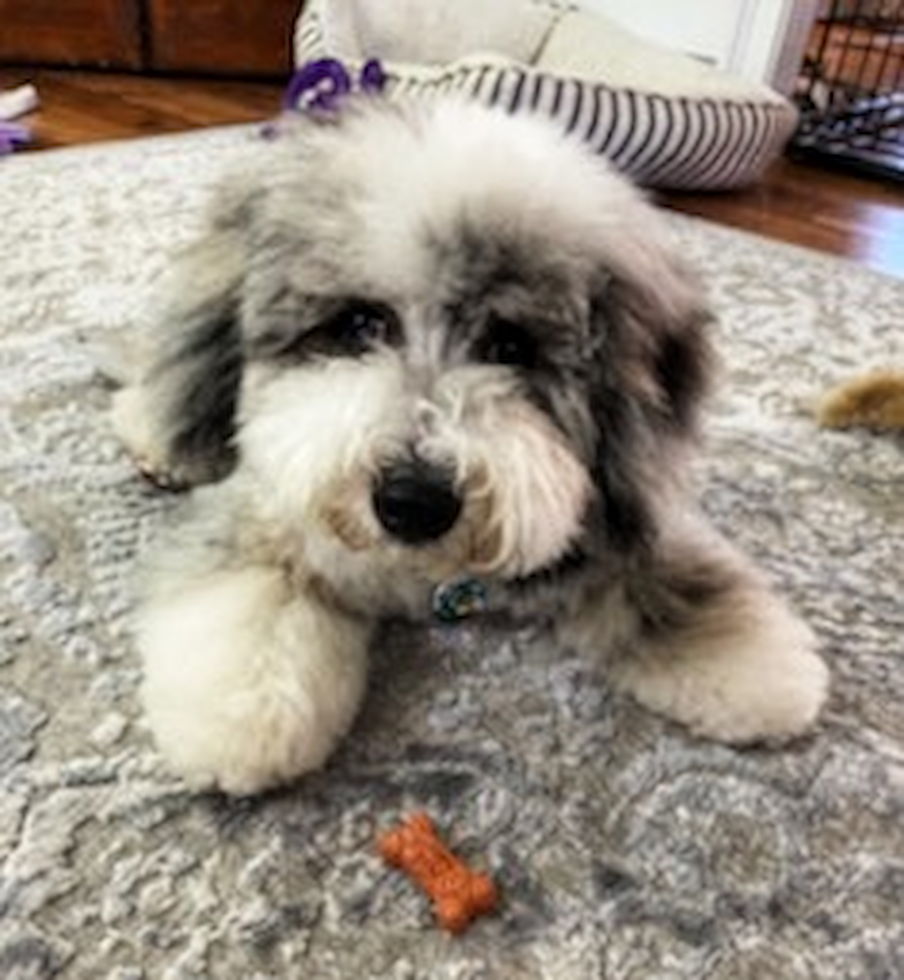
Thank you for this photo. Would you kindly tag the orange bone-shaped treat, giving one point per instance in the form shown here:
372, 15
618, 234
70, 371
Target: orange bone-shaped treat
459, 894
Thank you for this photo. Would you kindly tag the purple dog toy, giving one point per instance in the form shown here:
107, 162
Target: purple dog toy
320, 86
12, 135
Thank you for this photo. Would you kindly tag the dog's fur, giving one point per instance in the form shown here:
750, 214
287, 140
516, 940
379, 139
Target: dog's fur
442, 287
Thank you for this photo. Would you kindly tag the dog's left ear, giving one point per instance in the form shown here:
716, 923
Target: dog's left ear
656, 328
652, 367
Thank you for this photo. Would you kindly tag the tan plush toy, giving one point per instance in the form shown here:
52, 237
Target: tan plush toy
871, 401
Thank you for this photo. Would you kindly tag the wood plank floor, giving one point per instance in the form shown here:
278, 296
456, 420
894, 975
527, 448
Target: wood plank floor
837, 213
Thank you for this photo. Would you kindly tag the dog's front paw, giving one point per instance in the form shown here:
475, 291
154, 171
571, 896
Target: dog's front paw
240, 750
248, 685
240, 742
764, 682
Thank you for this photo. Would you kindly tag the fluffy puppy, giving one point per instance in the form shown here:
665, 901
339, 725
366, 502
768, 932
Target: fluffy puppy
428, 350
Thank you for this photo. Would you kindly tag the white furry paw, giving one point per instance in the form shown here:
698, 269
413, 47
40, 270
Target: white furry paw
247, 685
766, 683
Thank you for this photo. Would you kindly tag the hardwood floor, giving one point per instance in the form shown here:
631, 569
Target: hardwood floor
855, 217
87, 107
833, 212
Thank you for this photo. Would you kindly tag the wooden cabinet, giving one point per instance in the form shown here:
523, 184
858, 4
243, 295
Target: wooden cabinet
234, 37
102, 33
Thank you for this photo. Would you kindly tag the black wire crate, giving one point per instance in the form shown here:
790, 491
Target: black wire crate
851, 88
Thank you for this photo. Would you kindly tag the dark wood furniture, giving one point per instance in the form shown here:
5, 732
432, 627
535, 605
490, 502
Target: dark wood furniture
230, 37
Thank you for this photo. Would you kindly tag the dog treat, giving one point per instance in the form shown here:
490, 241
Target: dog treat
459, 894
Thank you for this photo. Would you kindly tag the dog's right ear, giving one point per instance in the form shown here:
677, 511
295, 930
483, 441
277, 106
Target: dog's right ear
188, 392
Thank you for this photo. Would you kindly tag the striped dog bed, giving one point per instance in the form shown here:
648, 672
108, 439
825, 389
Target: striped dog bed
664, 119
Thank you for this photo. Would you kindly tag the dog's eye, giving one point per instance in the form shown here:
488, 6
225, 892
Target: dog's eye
509, 343
360, 326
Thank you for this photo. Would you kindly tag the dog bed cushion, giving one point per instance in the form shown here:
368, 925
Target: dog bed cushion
665, 119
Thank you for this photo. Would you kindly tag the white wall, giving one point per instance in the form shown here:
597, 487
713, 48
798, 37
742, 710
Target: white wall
702, 27
748, 37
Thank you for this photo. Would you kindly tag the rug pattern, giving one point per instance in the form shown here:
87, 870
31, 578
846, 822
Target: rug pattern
623, 847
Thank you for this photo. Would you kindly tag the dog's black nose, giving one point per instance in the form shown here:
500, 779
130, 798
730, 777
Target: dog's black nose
416, 502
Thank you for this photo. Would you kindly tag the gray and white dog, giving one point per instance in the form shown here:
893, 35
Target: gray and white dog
420, 345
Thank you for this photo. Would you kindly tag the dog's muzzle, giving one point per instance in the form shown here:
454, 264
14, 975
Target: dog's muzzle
416, 502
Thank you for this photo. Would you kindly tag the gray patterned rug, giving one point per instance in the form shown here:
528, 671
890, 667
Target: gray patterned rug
623, 848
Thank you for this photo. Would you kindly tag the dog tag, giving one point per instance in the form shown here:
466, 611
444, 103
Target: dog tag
458, 599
